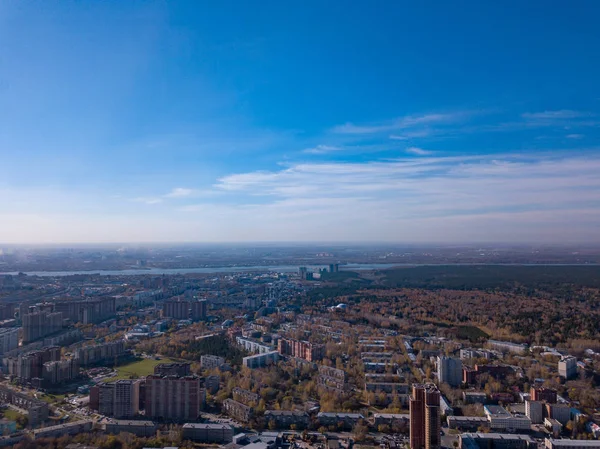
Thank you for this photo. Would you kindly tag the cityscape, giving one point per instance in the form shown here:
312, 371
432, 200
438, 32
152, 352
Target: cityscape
299, 225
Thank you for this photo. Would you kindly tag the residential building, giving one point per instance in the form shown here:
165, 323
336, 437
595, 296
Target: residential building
468, 423
501, 419
87, 311
30, 365
198, 310
332, 379
39, 324
60, 371
345, 420
551, 443
261, 360
172, 369
138, 428
179, 310
534, 411
37, 411
425, 417
237, 410
449, 370
119, 399
174, 398
211, 361
9, 339
301, 349
212, 384
474, 397
208, 433
245, 396
71, 428
283, 419
470, 353
390, 419
496, 441
559, 412
567, 367
543, 394
253, 346
507, 346
102, 353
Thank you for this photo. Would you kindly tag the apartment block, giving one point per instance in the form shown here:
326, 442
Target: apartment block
102, 353
172, 369
332, 379
237, 410
211, 361
283, 419
543, 394
9, 339
245, 396
208, 433
425, 417
301, 349
174, 398
60, 372
534, 410
567, 367
260, 360
39, 324
449, 371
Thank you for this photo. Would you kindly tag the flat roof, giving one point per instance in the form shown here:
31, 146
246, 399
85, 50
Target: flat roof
582, 443
497, 436
206, 426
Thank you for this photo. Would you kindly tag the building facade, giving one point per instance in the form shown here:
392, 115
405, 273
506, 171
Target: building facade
449, 370
174, 398
425, 417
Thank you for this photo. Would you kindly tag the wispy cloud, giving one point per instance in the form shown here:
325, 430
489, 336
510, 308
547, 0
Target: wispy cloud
575, 136
406, 122
418, 151
179, 192
322, 149
556, 115
147, 200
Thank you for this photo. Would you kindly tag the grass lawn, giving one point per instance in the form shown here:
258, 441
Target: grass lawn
52, 398
11, 414
139, 368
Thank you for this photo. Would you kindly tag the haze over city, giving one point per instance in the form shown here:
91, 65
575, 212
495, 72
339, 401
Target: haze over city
237, 122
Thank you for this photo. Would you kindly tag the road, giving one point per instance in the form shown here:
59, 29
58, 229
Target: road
448, 439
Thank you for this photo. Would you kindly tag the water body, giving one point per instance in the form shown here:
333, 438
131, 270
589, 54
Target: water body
267, 268
208, 270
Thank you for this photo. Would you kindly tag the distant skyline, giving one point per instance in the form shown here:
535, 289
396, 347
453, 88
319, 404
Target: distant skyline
334, 122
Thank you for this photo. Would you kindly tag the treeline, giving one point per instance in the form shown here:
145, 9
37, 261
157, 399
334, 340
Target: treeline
555, 279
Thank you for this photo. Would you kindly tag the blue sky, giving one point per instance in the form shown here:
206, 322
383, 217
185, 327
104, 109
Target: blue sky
316, 121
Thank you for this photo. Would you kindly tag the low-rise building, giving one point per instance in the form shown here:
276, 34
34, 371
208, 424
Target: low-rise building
474, 397
72, 428
468, 423
208, 361
261, 360
237, 410
501, 419
345, 420
283, 419
208, 433
496, 441
245, 396
390, 418
551, 443
138, 428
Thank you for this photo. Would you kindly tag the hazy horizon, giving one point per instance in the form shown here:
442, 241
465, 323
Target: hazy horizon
335, 123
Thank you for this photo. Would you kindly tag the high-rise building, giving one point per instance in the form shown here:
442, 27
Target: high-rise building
449, 370
534, 411
103, 353
198, 310
172, 369
118, 399
301, 349
567, 367
127, 398
60, 371
30, 365
87, 311
9, 339
174, 398
425, 417
39, 324
179, 310
543, 394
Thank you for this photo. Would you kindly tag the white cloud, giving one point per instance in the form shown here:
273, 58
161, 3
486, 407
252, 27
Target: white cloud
322, 149
147, 200
556, 115
406, 122
418, 151
179, 192
575, 136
